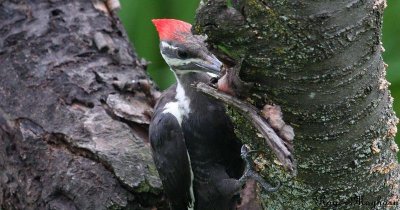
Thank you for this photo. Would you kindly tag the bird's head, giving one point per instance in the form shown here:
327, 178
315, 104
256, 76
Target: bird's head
183, 51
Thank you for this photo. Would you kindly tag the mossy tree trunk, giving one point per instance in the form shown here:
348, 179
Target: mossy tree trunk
321, 62
75, 103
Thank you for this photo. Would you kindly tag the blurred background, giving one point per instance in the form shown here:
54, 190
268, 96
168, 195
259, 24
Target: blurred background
136, 17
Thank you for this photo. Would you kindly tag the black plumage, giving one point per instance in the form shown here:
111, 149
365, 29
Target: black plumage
207, 135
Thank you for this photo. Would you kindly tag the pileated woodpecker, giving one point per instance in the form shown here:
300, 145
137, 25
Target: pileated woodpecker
194, 147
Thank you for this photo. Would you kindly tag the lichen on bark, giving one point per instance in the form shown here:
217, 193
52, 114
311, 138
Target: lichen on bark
321, 62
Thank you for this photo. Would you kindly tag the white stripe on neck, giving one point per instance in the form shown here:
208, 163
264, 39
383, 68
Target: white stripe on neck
181, 107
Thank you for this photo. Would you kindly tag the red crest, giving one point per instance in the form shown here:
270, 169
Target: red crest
171, 29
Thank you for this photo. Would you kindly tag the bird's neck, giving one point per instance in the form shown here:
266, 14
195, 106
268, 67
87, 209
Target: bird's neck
186, 95
187, 80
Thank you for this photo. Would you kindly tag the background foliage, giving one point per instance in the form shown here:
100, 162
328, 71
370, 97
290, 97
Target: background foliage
137, 15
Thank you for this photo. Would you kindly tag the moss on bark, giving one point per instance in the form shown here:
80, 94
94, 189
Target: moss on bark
321, 62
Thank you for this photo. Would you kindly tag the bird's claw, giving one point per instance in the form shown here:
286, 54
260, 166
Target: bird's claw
265, 185
250, 172
245, 152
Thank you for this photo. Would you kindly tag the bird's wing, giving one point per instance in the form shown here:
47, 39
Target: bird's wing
172, 160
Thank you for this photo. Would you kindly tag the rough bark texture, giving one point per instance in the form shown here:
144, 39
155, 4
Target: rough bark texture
74, 109
321, 62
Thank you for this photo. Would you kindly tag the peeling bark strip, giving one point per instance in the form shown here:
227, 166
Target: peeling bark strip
73, 119
321, 62
275, 142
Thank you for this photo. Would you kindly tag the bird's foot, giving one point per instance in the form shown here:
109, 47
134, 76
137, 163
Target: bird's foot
250, 172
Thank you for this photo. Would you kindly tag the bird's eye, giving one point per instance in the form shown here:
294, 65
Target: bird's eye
182, 54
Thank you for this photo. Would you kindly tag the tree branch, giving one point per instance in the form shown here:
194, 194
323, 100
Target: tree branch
253, 116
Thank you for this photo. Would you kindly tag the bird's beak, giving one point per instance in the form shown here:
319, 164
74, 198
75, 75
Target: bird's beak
210, 64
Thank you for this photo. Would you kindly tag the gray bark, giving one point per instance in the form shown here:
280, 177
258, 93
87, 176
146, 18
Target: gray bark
75, 103
321, 62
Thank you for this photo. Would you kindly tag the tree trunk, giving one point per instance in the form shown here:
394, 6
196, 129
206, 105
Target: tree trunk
321, 62
75, 103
